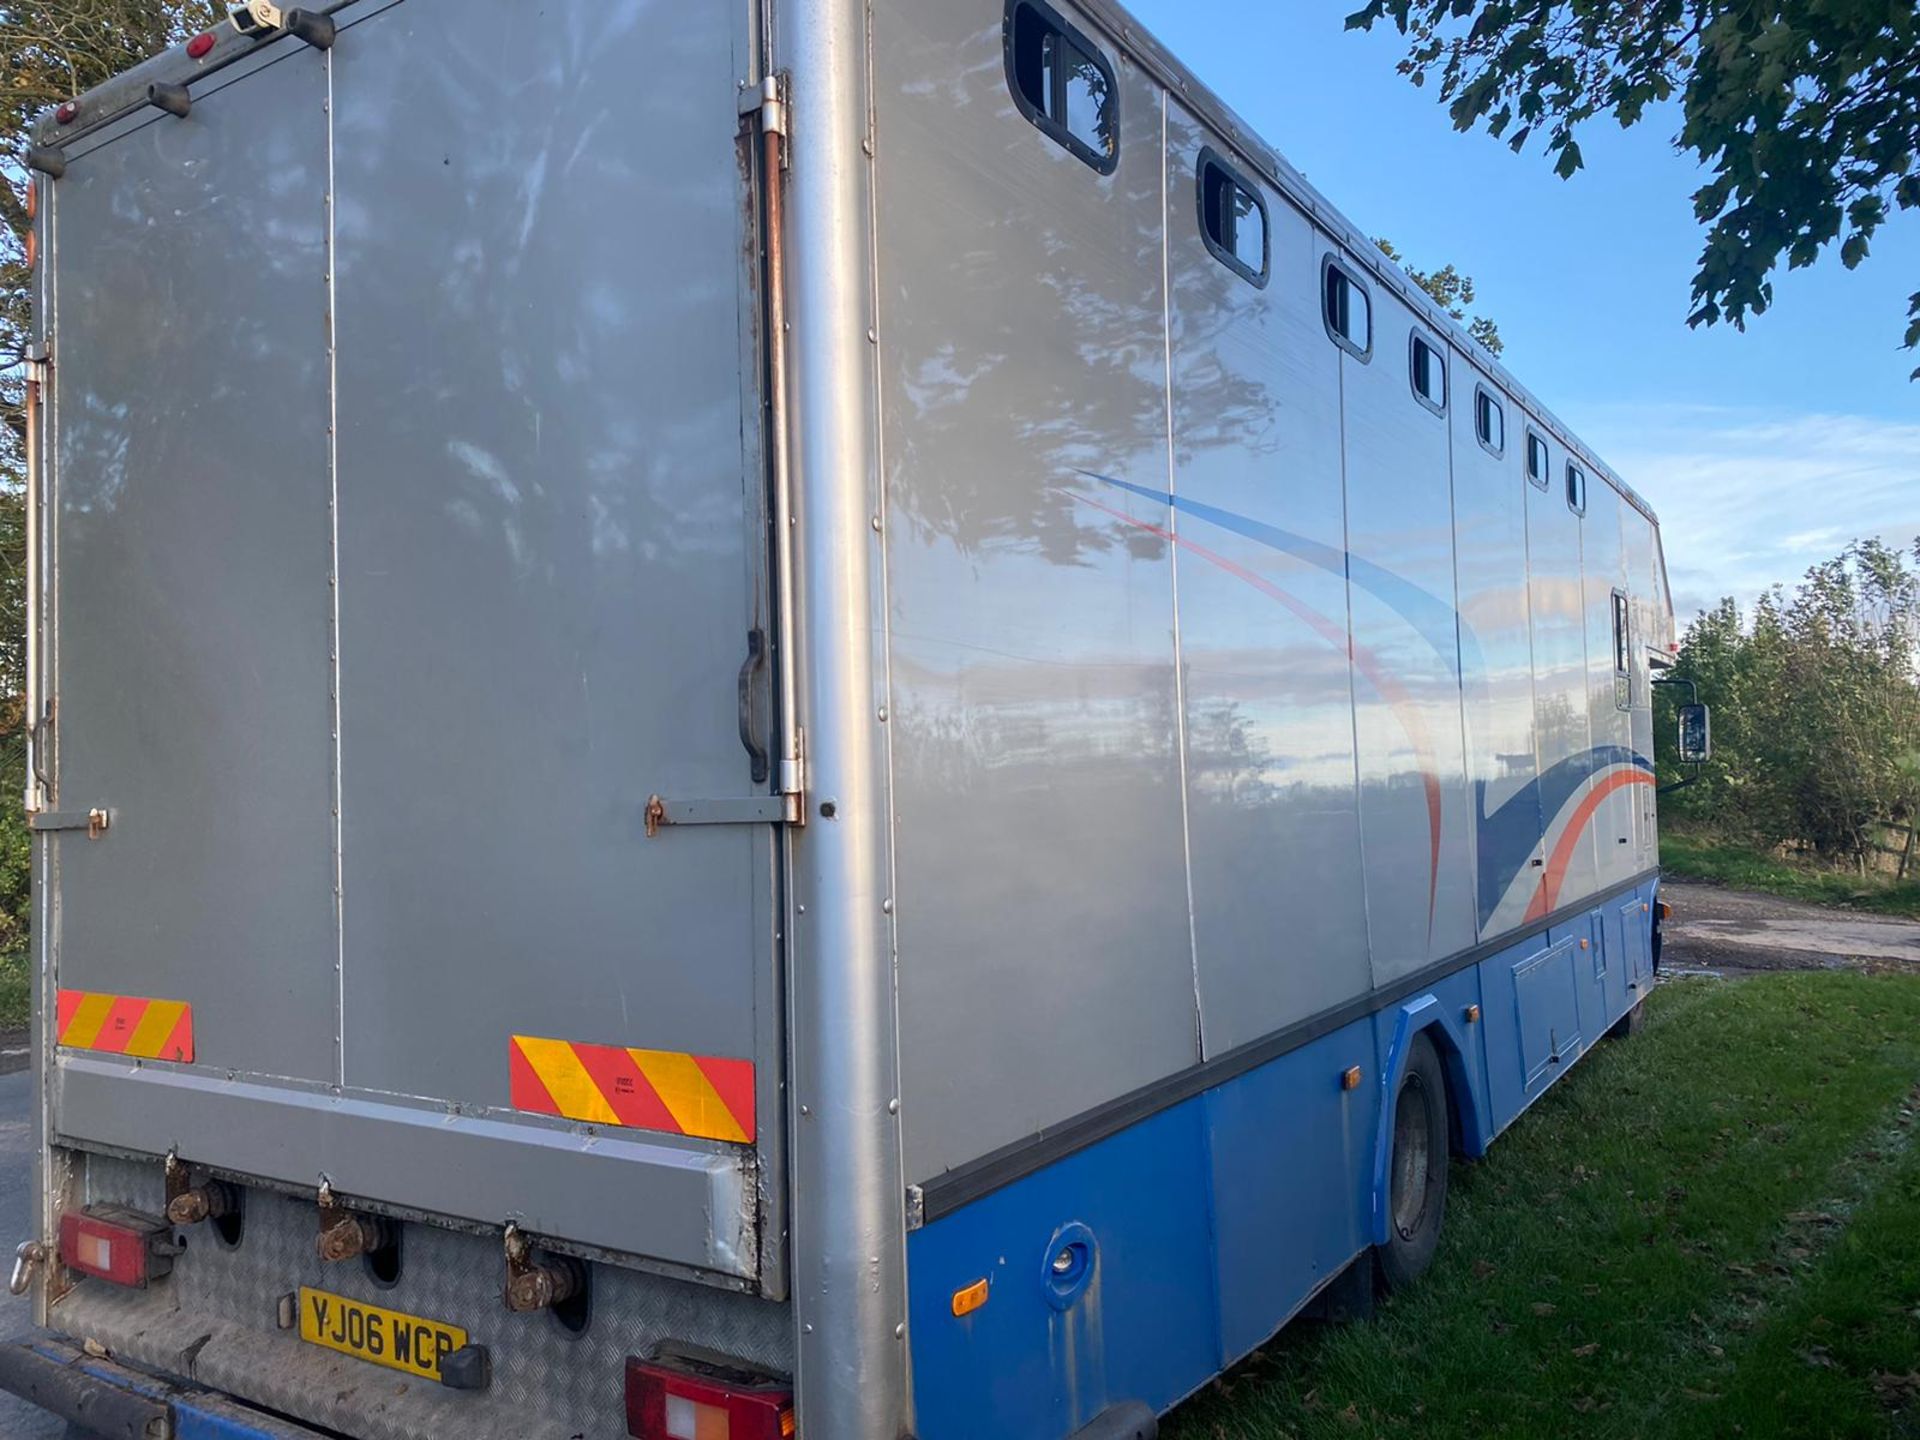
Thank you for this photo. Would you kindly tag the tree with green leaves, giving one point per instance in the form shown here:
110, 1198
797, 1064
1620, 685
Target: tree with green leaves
1816, 707
1806, 111
53, 50
1453, 292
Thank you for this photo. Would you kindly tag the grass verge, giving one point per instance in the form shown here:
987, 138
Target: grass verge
15, 990
1708, 1230
1699, 857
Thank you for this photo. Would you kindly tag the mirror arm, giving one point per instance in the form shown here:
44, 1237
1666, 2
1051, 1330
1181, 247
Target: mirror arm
1692, 779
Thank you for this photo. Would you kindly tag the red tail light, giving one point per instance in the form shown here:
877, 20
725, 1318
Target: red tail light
120, 1246
686, 1395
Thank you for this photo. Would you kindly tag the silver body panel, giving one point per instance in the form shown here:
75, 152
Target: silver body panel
1497, 670
1269, 694
1034, 710
1226, 677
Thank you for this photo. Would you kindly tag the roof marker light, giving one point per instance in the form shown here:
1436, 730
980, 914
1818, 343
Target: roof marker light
200, 45
67, 113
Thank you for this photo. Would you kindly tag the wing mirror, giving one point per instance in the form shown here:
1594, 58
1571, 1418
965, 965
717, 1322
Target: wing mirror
1696, 734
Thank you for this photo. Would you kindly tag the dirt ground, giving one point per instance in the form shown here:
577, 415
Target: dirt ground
1732, 932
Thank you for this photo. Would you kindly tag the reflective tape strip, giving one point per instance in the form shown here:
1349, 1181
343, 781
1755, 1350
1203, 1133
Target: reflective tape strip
125, 1025
661, 1090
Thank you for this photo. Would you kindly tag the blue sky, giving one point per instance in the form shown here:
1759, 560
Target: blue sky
1764, 452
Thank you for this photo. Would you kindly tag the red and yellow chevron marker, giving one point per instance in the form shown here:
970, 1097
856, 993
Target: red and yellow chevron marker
125, 1025
638, 1089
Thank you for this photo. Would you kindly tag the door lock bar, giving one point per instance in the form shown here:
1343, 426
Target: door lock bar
744, 810
95, 822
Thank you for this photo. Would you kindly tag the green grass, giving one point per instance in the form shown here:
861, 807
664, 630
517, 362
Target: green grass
15, 990
1699, 857
1709, 1230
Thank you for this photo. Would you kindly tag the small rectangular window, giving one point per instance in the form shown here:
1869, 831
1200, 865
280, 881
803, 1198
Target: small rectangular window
1062, 83
1428, 368
1348, 310
1233, 218
1622, 638
1539, 460
1489, 422
1576, 489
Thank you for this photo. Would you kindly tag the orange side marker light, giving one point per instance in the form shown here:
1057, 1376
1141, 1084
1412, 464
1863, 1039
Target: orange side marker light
1351, 1079
969, 1298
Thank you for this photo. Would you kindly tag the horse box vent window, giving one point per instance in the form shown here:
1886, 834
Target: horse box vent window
1576, 490
1233, 219
1489, 422
1539, 466
1429, 372
1349, 312
1063, 84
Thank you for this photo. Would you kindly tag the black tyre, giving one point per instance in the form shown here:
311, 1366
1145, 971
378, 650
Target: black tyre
1631, 1023
1416, 1169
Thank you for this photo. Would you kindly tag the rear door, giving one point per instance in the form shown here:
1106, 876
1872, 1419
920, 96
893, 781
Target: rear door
409, 542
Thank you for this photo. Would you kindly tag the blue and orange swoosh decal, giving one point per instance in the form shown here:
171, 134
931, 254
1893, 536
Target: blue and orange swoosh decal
1334, 632
1509, 835
1433, 618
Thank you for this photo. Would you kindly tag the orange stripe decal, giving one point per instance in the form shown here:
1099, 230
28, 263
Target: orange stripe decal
1548, 894
124, 1025
661, 1090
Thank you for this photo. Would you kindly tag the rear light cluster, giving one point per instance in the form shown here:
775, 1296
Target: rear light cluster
689, 1395
118, 1245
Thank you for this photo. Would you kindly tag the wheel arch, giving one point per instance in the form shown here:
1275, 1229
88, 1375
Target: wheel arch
1468, 1118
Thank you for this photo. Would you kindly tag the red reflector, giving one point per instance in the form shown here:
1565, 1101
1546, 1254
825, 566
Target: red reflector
67, 113
120, 1246
700, 1397
200, 44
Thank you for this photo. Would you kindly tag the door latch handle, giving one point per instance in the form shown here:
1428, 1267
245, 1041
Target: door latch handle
750, 732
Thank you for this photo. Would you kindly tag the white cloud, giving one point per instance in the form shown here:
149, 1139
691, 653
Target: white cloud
1748, 499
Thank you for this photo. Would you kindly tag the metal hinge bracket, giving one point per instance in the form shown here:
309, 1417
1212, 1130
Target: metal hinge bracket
768, 100
745, 810
95, 822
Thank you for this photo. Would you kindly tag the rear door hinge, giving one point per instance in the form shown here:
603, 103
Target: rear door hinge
768, 100
741, 810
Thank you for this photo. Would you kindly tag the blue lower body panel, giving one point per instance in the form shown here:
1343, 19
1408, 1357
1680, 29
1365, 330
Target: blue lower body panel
1137, 1268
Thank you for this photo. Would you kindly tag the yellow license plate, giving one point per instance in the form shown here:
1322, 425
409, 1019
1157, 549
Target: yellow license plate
386, 1337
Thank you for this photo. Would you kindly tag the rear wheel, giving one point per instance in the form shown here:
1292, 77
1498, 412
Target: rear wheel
1416, 1169
1631, 1023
